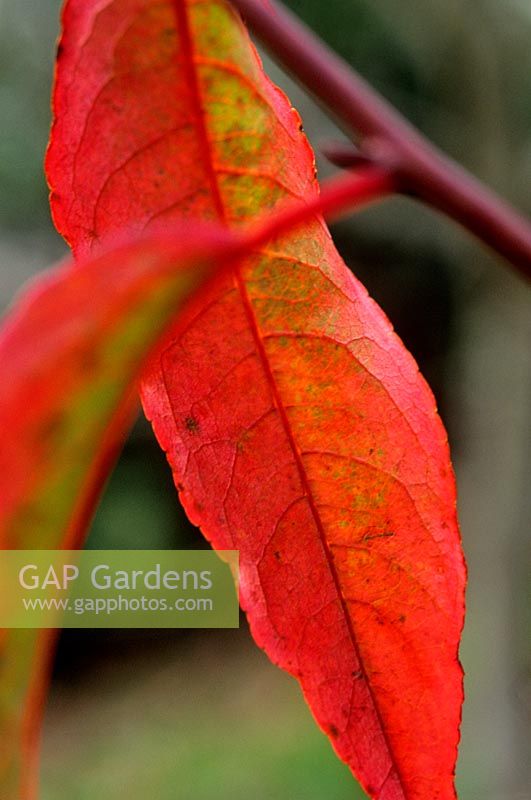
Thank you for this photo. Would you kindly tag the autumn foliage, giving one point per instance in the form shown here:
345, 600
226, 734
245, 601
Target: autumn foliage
297, 426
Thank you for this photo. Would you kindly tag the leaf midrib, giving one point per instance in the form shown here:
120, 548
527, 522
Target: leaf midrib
190, 62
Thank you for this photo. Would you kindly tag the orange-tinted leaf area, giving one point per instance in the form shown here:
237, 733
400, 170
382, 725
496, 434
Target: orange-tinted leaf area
297, 425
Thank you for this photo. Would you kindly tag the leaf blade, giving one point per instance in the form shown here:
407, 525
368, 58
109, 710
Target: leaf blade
289, 316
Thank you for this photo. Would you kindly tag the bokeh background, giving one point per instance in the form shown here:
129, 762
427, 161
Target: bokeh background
202, 715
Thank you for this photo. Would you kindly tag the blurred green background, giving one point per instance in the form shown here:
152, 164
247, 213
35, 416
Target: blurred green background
203, 714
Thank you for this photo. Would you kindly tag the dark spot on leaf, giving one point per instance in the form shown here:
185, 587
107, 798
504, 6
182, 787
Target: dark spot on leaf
334, 731
191, 424
357, 674
383, 535
277, 555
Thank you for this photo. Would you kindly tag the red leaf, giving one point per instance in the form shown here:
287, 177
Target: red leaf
316, 449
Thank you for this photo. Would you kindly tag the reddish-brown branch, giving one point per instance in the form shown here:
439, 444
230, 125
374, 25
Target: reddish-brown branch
421, 170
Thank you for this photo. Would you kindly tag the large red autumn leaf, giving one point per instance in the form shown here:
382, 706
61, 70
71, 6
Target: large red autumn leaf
297, 426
